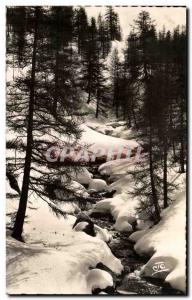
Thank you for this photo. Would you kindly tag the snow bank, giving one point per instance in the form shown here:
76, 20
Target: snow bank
55, 259
114, 128
166, 243
90, 136
102, 145
63, 269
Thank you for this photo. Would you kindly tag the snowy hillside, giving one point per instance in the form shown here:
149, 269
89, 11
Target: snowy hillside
166, 244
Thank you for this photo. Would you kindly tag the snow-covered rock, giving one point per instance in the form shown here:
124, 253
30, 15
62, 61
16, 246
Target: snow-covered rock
123, 226
118, 169
115, 166
144, 224
123, 185
98, 185
73, 186
115, 124
103, 206
135, 236
102, 233
83, 176
93, 230
97, 278
81, 226
123, 209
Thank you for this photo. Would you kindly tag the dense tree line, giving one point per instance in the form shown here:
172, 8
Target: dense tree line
154, 102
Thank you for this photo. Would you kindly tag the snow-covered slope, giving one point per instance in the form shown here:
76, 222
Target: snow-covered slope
97, 139
55, 259
166, 244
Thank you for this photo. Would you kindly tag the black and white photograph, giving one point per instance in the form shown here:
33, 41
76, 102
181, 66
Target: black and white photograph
96, 150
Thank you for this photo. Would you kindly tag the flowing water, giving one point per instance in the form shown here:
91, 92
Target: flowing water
129, 282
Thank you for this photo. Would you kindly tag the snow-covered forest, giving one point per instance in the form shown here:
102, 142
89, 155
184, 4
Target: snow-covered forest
96, 153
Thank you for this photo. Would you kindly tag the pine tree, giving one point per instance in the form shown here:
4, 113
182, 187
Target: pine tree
81, 29
112, 24
90, 61
179, 52
115, 70
61, 31
132, 73
18, 227
147, 44
104, 43
100, 87
33, 93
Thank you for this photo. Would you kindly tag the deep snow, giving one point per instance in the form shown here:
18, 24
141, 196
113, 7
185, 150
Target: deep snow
55, 259
166, 244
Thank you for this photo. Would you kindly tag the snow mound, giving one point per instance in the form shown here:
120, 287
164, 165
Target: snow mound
166, 243
102, 233
83, 176
73, 186
135, 236
118, 166
97, 185
123, 185
101, 279
123, 209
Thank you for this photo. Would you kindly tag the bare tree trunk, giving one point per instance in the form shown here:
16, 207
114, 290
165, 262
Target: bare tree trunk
154, 192
133, 112
89, 90
172, 129
18, 227
182, 155
165, 175
97, 107
89, 97
117, 110
56, 85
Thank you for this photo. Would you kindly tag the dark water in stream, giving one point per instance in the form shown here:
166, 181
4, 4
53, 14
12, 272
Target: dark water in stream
128, 282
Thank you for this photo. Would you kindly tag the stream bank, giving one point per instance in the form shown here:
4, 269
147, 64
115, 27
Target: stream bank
129, 282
